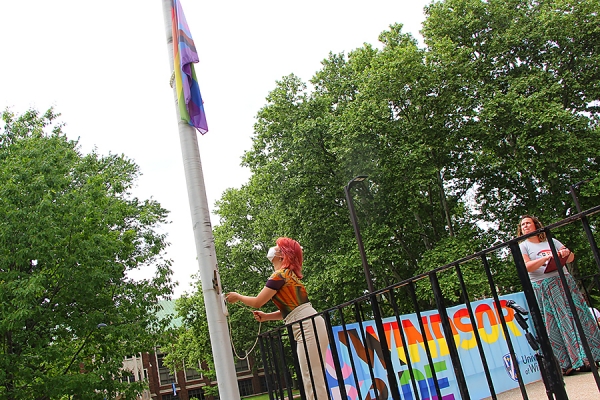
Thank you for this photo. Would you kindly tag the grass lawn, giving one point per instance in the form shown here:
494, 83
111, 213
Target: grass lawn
264, 396
259, 397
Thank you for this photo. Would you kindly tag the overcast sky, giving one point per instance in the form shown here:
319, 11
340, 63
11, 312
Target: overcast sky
104, 66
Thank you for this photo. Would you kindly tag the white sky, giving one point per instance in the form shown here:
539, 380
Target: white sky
104, 66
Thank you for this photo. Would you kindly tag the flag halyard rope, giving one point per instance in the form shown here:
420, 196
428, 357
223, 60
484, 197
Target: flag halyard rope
231, 337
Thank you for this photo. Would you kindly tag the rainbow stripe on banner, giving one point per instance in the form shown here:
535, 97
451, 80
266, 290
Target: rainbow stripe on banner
191, 107
359, 348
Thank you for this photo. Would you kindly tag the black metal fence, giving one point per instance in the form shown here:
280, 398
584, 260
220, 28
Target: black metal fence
377, 352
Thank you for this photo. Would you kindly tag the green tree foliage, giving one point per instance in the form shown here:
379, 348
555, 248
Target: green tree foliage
70, 233
494, 117
189, 344
531, 72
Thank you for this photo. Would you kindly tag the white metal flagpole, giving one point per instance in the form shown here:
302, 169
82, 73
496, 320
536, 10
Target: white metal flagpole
205, 247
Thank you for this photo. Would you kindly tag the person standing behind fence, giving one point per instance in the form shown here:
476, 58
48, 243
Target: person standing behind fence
289, 295
552, 300
595, 314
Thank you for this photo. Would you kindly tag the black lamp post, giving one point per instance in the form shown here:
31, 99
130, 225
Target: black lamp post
573, 189
361, 247
387, 360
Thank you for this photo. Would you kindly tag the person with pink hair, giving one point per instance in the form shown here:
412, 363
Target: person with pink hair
288, 293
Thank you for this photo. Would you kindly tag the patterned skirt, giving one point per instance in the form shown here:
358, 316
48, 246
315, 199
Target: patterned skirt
558, 318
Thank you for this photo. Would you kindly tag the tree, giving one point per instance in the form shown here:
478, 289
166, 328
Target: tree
530, 70
370, 113
189, 344
495, 116
70, 234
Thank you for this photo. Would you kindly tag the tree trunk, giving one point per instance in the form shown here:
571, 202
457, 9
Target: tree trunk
444, 203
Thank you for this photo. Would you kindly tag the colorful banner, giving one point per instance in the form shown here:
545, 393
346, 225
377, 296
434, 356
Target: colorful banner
501, 367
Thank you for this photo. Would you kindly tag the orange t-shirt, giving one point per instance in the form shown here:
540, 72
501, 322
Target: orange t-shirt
290, 291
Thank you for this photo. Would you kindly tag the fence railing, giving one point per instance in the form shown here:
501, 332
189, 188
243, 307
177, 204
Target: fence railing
474, 337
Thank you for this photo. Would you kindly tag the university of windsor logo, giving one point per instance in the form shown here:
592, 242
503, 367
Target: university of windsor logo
510, 367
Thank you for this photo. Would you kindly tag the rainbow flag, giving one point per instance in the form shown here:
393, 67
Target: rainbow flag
191, 107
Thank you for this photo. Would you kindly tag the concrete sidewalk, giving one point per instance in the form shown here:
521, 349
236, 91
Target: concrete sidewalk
579, 386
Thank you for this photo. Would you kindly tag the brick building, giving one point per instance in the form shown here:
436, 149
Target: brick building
188, 383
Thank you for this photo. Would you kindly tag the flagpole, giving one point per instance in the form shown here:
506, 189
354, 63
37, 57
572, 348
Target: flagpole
204, 240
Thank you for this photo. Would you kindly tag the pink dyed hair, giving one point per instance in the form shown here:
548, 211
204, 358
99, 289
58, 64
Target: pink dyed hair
292, 255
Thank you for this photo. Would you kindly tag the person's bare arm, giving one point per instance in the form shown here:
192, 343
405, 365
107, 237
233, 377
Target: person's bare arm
258, 301
564, 252
262, 316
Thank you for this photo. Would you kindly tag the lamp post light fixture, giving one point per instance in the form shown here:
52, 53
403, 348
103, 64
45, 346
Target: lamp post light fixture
361, 247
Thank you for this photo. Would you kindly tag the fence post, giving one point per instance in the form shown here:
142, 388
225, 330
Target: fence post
387, 358
456, 364
294, 345
335, 356
472, 318
266, 366
509, 343
586, 226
